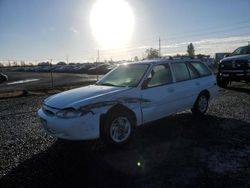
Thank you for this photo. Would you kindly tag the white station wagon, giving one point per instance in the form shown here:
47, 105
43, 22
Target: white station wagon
129, 96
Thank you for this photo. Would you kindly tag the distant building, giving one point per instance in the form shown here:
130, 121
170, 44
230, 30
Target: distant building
202, 56
220, 56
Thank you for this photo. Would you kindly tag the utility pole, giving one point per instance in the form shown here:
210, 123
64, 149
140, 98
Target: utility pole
51, 75
67, 59
98, 56
159, 47
248, 43
97, 60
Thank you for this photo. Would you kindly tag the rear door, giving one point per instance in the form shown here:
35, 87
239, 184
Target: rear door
186, 85
207, 79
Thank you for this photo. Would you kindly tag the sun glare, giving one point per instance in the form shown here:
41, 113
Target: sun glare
112, 23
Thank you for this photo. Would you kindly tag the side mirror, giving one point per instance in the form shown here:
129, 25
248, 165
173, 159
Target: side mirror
145, 84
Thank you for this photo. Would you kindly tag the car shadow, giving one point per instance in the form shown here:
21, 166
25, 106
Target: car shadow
167, 152
240, 89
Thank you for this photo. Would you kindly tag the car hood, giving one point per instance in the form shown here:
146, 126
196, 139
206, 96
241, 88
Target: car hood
83, 95
237, 57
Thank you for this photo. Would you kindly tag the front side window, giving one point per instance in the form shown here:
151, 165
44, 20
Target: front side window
160, 75
125, 75
201, 68
180, 71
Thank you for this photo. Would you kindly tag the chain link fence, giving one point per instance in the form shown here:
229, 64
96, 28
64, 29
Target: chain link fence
47, 76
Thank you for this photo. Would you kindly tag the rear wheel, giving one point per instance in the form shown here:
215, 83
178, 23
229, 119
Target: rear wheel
119, 128
201, 104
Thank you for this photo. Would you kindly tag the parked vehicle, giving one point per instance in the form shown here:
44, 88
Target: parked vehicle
236, 67
127, 97
99, 69
3, 78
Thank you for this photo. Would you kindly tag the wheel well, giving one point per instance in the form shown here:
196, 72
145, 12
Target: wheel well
206, 92
118, 107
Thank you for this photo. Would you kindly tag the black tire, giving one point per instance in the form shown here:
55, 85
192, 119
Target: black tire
112, 118
201, 105
222, 83
3, 79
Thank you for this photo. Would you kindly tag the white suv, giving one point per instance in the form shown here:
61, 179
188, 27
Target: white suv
127, 97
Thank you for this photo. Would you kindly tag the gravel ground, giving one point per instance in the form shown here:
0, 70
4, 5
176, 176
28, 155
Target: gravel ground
178, 151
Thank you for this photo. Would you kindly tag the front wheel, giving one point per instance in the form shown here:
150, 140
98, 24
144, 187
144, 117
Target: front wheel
222, 83
201, 105
119, 128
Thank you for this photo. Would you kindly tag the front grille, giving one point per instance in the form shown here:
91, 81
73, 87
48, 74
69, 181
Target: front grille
47, 110
235, 64
227, 65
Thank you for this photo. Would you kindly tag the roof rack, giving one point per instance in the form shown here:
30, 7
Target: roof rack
174, 57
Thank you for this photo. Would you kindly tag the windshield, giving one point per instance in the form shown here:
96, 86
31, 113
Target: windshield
242, 51
125, 76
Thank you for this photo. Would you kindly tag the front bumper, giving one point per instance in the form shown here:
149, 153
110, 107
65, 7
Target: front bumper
234, 75
79, 128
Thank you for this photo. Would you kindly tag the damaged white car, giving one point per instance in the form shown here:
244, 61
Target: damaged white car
127, 97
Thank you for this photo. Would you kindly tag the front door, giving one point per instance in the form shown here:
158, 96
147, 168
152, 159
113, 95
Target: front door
158, 93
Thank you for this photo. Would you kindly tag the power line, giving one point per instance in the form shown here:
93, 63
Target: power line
147, 41
159, 47
211, 28
112, 51
181, 34
205, 33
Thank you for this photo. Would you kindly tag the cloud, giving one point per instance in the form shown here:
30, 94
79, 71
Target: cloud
208, 46
48, 29
73, 30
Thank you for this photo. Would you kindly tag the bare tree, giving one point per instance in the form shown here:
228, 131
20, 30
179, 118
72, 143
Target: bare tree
152, 53
136, 58
190, 50
14, 63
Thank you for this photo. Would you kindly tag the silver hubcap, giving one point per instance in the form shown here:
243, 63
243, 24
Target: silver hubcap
120, 129
202, 103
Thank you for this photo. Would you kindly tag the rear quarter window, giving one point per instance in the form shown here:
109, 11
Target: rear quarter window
181, 72
201, 68
193, 72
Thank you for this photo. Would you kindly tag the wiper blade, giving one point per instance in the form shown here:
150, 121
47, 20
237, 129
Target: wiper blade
106, 84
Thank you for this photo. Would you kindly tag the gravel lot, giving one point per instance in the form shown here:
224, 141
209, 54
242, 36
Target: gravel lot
178, 151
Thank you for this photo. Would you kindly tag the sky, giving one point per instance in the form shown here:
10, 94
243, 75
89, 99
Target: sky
36, 30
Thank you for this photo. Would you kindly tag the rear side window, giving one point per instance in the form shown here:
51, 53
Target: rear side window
201, 68
180, 71
193, 72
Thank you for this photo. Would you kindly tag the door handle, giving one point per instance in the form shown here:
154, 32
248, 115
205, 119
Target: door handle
197, 83
170, 90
